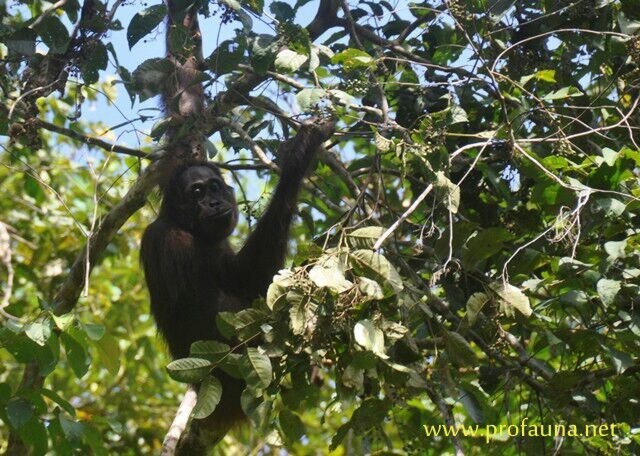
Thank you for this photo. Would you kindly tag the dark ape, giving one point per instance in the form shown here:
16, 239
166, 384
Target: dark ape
192, 272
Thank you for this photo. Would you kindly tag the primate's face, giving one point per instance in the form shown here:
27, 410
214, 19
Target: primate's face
210, 202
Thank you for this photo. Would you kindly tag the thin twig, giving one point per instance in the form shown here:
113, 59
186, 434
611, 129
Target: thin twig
403, 217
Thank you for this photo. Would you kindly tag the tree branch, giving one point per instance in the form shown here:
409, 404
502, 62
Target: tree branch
179, 423
90, 141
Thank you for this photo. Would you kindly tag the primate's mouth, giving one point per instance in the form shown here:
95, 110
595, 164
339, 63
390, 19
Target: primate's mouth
218, 213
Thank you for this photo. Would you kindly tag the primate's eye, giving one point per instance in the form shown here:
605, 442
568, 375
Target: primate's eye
198, 191
215, 186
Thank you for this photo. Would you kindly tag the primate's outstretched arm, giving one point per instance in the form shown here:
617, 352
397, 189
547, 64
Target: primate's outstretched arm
264, 251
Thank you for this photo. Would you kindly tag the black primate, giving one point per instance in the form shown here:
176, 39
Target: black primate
192, 272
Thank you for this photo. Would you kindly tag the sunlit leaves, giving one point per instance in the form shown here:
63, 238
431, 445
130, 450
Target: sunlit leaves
377, 264
278, 288
353, 59
39, 331
565, 92
510, 298
527, 138
289, 61
369, 337
607, 290
450, 192
309, 98
364, 238
329, 272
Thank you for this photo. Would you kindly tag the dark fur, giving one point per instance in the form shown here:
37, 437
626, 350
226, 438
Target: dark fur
192, 272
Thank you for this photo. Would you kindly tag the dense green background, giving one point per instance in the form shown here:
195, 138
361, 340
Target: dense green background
502, 136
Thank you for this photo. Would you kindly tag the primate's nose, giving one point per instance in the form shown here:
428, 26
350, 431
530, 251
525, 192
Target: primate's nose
214, 203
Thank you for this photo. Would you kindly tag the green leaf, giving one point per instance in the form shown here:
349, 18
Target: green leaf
370, 337
34, 434
248, 321
144, 22
620, 360
471, 404
380, 266
55, 397
152, 77
289, 61
628, 26
261, 365
209, 396
450, 191
353, 377
383, 144
189, 370
309, 98
73, 430
209, 349
19, 410
475, 303
233, 4
277, 291
370, 288
608, 290
226, 324
339, 436
98, 60
328, 272
109, 353
21, 43
301, 314
63, 322
226, 57
291, 425
364, 238
459, 349
94, 332
609, 206
342, 97
565, 92
511, 297
542, 75
54, 34
370, 414
457, 115
352, 59
282, 11
255, 5
39, 331
615, 249
263, 51
484, 245
77, 355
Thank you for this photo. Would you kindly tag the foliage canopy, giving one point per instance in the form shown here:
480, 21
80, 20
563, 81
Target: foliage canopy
467, 251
